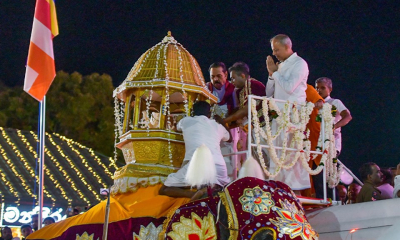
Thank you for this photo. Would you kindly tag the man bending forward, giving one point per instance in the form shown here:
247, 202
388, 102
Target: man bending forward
198, 130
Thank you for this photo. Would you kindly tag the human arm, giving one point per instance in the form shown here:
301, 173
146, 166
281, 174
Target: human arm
346, 118
313, 96
297, 74
179, 125
319, 104
270, 88
219, 120
239, 114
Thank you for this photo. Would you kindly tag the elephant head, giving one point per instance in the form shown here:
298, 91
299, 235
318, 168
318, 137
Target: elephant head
248, 208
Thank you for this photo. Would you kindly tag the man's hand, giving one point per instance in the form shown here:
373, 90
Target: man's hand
398, 169
271, 66
219, 120
319, 104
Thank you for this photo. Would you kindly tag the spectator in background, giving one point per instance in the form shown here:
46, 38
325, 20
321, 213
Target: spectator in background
372, 176
26, 230
76, 212
385, 188
48, 221
342, 192
6, 233
352, 193
396, 191
35, 222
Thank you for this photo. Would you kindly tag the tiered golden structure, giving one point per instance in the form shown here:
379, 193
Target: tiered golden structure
159, 90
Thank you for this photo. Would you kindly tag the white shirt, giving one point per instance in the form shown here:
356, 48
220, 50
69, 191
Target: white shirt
200, 130
339, 107
396, 186
290, 81
221, 110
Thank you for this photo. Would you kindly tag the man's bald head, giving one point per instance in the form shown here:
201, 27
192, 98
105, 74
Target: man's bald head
282, 39
281, 46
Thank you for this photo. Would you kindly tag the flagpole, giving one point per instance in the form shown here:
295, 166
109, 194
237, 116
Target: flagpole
41, 158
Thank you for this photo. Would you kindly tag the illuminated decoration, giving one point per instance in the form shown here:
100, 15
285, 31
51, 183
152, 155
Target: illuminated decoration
149, 232
85, 236
256, 201
75, 167
17, 216
64, 173
63, 186
47, 171
194, 228
158, 92
293, 222
4, 177
12, 166
27, 165
71, 142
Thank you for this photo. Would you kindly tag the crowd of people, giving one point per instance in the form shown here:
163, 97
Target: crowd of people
378, 184
287, 81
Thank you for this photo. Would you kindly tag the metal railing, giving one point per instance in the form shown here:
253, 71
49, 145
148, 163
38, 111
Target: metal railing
250, 145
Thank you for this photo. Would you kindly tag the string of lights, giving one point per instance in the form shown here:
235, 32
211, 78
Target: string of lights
26, 164
64, 173
47, 171
12, 166
92, 154
5, 179
84, 161
74, 167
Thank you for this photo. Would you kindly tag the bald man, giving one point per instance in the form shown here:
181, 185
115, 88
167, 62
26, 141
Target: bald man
287, 81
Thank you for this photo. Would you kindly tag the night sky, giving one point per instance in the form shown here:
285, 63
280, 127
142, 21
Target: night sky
355, 43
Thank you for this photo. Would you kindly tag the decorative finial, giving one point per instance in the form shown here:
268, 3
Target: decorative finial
169, 38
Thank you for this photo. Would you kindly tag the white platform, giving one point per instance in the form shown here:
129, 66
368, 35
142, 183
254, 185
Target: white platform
373, 221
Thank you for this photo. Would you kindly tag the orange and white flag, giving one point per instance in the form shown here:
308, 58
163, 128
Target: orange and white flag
40, 68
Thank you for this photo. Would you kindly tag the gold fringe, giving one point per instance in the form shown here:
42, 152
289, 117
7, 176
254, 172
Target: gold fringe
232, 218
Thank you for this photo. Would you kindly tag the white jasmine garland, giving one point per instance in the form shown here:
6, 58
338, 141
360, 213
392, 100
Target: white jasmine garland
167, 109
181, 78
294, 119
117, 125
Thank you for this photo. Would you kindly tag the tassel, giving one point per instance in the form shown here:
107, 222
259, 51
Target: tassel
251, 168
201, 170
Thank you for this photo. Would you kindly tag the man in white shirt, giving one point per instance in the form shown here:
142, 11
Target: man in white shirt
287, 81
198, 130
342, 117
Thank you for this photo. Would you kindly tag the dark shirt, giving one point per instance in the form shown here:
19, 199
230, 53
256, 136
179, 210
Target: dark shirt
256, 88
369, 193
228, 96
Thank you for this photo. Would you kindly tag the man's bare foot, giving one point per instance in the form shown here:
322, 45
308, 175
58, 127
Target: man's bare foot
297, 192
198, 194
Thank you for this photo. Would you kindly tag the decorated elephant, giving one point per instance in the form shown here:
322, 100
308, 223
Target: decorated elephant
248, 208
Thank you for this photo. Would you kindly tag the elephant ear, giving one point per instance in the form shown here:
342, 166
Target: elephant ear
201, 170
251, 168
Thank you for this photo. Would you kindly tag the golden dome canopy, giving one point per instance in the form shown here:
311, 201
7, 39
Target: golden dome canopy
167, 60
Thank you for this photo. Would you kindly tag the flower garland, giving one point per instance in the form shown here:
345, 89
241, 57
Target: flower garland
295, 122
167, 107
185, 101
117, 125
150, 95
